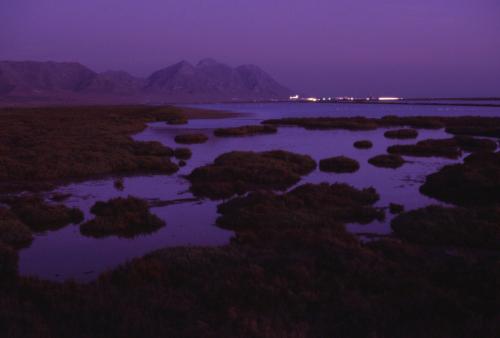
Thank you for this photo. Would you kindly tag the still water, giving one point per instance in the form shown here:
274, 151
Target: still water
66, 254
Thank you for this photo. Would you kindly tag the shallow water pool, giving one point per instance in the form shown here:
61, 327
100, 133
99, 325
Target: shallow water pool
66, 254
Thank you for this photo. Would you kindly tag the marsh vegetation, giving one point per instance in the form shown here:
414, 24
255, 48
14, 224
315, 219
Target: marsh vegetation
191, 138
245, 131
238, 172
292, 268
363, 144
401, 133
387, 161
123, 217
339, 164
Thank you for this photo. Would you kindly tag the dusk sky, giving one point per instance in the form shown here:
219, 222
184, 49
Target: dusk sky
407, 48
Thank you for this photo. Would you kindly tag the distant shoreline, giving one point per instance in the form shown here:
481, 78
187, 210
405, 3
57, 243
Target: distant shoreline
402, 102
408, 102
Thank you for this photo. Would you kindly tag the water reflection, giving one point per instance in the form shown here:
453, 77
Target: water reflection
66, 254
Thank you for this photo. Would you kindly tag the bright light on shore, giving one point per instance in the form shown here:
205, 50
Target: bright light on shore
388, 98
295, 97
312, 99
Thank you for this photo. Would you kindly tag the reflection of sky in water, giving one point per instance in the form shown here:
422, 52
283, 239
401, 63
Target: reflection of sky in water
66, 254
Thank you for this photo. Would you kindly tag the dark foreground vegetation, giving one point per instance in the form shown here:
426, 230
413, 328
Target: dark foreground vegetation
292, 269
436, 225
123, 217
238, 172
13, 232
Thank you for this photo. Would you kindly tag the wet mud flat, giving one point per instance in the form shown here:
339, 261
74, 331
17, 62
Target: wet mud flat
262, 259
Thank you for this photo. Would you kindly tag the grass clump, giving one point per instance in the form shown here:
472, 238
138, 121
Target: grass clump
460, 125
40, 216
191, 138
339, 164
436, 225
182, 153
474, 182
150, 148
324, 123
472, 144
420, 122
396, 208
238, 172
486, 131
363, 144
387, 161
119, 184
173, 117
309, 205
447, 148
59, 197
12, 231
123, 217
401, 134
8, 267
245, 131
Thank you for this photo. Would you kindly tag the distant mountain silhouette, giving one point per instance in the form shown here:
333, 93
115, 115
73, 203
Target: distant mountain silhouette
115, 82
69, 82
26, 76
212, 80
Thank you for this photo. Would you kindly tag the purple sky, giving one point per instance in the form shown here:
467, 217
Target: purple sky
323, 47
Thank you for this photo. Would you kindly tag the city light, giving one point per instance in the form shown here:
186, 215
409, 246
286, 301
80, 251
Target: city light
389, 98
312, 99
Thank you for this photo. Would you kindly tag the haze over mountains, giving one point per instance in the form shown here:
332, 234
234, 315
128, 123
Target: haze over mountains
25, 82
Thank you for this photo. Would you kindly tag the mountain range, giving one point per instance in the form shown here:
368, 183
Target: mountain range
25, 82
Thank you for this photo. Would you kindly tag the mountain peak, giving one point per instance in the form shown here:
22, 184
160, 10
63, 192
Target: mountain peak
207, 62
208, 81
184, 63
250, 67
